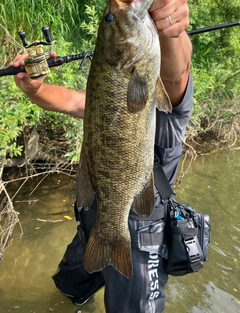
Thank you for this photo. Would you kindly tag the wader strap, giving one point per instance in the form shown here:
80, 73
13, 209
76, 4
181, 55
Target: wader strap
157, 213
160, 180
140, 240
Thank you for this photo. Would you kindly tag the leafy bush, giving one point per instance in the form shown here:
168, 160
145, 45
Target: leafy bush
16, 111
215, 66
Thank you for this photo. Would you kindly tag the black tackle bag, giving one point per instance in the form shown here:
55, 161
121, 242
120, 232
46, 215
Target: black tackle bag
187, 239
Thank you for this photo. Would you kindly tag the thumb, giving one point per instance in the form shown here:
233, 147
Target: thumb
19, 77
26, 84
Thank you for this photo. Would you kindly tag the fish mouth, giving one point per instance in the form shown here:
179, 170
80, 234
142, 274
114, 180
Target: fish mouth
125, 1
139, 6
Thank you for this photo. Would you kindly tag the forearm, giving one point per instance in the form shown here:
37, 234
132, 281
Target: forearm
175, 65
175, 57
59, 99
49, 97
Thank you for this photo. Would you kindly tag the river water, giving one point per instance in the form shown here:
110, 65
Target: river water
211, 186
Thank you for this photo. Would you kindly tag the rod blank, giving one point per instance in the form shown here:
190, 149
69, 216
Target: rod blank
212, 28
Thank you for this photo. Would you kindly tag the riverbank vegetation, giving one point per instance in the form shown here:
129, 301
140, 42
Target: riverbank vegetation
215, 67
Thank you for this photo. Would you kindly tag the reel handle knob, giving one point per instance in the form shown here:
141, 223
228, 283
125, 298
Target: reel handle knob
22, 36
46, 33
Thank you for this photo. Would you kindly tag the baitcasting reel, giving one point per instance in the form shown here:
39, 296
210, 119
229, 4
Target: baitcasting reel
36, 65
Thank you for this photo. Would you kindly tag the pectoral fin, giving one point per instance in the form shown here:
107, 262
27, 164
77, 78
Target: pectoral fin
163, 102
138, 93
144, 202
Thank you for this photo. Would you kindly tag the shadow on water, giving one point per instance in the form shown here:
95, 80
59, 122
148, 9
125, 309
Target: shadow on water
212, 186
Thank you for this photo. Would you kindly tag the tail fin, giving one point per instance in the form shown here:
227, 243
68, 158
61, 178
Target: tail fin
99, 254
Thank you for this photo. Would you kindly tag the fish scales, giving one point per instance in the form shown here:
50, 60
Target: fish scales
116, 163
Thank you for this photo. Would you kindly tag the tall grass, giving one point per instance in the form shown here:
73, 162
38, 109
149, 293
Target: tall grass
30, 16
216, 60
16, 111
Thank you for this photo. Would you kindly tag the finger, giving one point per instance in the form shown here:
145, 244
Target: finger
53, 54
156, 6
159, 12
26, 84
21, 56
19, 59
174, 23
17, 63
171, 20
172, 32
21, 77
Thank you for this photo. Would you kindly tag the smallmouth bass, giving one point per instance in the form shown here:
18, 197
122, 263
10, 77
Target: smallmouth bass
116, 164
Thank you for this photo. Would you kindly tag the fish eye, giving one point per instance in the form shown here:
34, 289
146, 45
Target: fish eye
109, 18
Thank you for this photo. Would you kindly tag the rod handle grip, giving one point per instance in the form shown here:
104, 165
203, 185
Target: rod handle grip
12, 70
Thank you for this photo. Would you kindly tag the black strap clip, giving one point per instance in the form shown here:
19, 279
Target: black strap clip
195, 256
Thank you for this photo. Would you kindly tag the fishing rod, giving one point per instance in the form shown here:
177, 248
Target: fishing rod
39, 62
212, 28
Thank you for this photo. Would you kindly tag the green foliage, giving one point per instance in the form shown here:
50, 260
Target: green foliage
74, 134
90, 27
30, 16
74, 23
16, 111
87, 17
215, 61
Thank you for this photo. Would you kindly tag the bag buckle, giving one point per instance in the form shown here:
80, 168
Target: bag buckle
192, 250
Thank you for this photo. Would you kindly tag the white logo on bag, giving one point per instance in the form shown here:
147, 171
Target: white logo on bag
153, 263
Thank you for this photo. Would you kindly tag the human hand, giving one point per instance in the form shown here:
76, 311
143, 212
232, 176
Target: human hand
171, 17
23, 81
